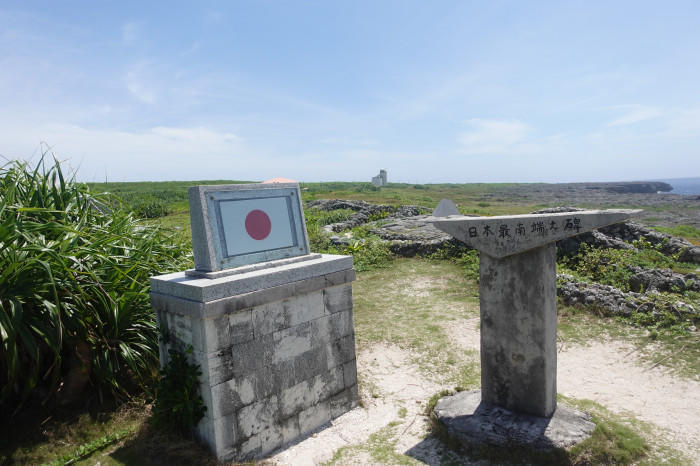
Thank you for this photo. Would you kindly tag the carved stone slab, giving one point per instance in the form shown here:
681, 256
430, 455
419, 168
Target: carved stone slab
504, 236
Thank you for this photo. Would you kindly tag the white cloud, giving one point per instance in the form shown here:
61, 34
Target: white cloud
159, 153
492, 136
635, 114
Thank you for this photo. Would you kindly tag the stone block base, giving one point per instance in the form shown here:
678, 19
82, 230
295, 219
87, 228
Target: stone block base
473, 422
276, 348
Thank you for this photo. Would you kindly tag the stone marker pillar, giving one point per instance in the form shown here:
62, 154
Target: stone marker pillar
517, 296
518, 300
269, 324
276, 347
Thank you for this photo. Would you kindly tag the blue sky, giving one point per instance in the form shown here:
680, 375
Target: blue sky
439, 91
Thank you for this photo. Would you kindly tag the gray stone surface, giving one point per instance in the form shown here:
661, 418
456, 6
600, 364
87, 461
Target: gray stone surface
662, 280
630, 231
380, 180
251, 267
614, 301
474, 422
517, 289
416, 228
212, 309
203, 289
502, 236
209, 255
277, 363
519, 331
444, 208
364, 210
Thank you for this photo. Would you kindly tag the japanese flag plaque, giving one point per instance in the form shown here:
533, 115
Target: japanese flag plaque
244, 224
262, 317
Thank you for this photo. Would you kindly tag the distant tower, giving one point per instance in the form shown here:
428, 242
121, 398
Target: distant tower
380, 180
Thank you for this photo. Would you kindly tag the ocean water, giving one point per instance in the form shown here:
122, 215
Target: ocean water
684, 185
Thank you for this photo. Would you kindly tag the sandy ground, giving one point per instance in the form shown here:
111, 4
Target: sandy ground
612, 374
609, 373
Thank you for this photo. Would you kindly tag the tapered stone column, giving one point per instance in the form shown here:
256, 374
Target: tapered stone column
518, 398
519, 331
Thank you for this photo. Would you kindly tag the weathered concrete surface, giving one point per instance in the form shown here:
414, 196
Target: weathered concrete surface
444, 208
506, 235
181, 285
472, 421
519, 330
251, 267
277, 360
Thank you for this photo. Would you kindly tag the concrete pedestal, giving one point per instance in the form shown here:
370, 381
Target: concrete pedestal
472, 422
276, 348
519, 331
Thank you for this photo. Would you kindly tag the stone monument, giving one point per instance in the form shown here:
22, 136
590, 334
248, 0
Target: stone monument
517, 288
269, 323
380, 180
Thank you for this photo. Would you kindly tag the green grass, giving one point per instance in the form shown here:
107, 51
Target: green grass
380, 448
410, 305
468, 197
688, 232
620, 438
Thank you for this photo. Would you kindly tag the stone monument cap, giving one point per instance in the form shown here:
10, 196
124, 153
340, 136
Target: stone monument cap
444, 208
503, 236
242, 224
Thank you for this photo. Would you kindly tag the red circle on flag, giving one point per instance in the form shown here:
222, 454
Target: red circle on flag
257, 224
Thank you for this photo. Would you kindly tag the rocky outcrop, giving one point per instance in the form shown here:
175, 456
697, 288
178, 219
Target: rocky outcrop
620, 235
662, 280
407, 236
613, 301
641, 187
412, 236
629, 187
365, 211
336, 204
409, 232
630, 231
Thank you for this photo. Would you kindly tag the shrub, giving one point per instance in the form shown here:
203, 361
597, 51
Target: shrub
178, 406
462, 255
326, 217
369, 254
612, 266
74, 282
149, 207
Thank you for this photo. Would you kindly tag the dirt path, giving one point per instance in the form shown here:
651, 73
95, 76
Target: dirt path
612, 374
395, 393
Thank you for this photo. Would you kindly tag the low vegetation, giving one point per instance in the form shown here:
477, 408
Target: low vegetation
178, 406
74, 313
688, 232
74, 306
